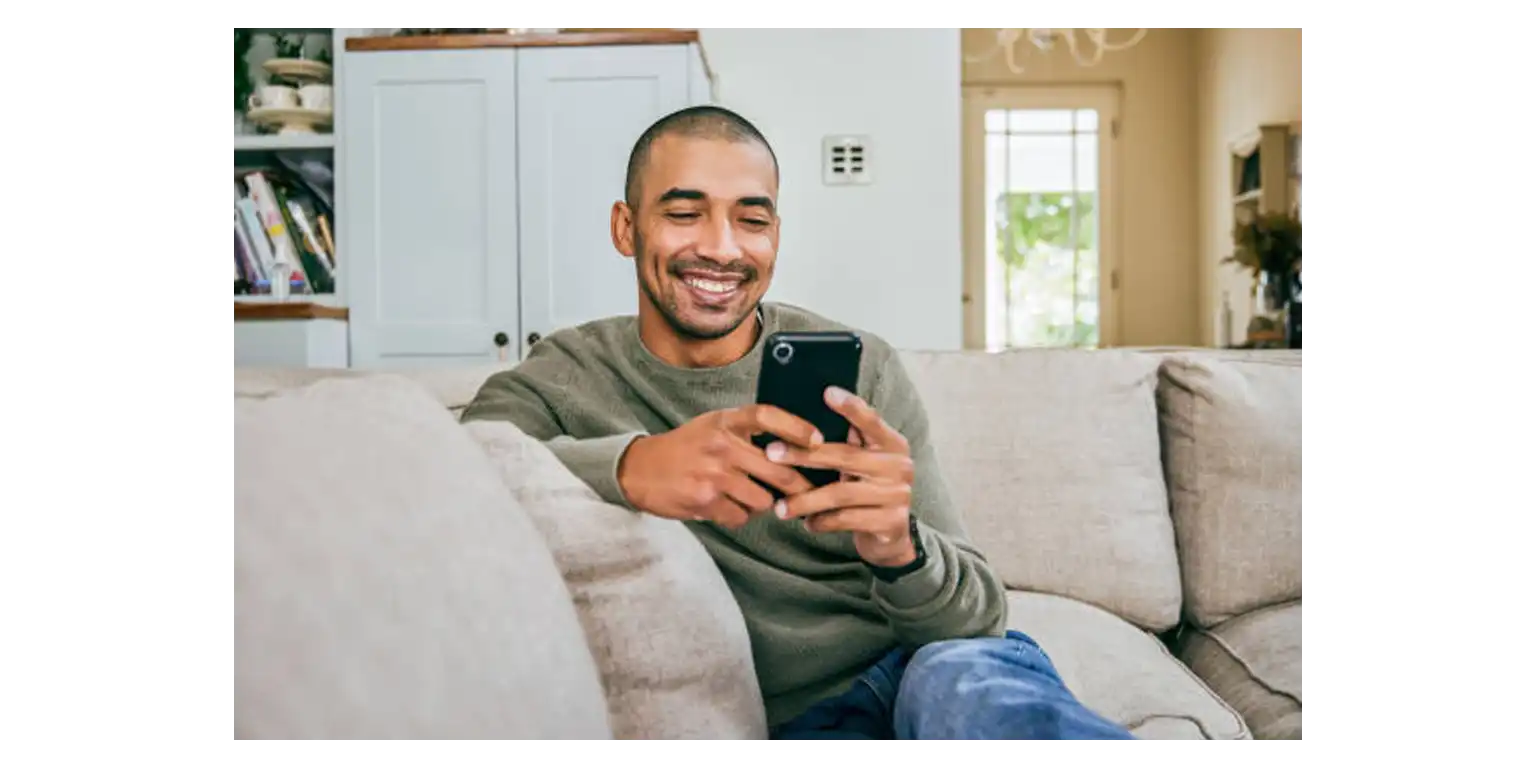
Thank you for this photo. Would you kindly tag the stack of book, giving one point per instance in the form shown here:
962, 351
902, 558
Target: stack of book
282, 233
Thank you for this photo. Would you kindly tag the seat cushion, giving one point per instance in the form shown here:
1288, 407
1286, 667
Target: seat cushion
669, 640
387, 584
1053, 460
1232, 438
1254, 662
1122, 672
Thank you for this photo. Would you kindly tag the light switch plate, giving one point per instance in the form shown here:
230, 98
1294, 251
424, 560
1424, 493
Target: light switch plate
845, 160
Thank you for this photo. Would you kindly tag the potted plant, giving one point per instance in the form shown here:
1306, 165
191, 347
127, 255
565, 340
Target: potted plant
243, 83
288, 46
1269, 246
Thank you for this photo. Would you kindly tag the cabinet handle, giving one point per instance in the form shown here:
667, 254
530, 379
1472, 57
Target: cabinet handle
501, 340
533, 338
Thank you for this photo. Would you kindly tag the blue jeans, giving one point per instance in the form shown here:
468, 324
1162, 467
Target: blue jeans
982, 688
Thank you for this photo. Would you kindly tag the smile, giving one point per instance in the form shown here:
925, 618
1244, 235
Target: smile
713, 290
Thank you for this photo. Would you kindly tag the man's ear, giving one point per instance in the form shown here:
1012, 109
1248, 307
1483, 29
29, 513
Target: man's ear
621, 222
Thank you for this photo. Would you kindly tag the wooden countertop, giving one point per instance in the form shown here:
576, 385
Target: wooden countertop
288, 310
583, 37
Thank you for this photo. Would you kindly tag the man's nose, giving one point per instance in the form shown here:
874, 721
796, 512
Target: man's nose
718, 243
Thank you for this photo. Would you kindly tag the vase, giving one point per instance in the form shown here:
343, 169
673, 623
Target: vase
1273, 291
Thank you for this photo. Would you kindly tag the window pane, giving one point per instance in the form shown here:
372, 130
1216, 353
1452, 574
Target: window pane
1042, 239
1040, 163
997, 120
1087, 120
1040, 120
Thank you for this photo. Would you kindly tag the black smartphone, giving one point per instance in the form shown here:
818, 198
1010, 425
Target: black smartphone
796, 370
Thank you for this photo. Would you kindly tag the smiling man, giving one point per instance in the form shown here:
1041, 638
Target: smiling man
871, 615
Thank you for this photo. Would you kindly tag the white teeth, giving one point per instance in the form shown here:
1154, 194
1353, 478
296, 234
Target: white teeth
713, 286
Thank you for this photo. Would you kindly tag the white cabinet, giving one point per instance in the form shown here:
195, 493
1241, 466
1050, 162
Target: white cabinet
482, 181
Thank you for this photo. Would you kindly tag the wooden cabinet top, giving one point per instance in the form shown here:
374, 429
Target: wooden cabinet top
295, 310
509, 40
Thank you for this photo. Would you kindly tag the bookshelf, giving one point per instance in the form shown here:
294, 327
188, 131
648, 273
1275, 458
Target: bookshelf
1266, 171
289, 185
1265, 179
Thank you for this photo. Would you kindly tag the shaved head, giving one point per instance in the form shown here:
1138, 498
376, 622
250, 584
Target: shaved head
700, 122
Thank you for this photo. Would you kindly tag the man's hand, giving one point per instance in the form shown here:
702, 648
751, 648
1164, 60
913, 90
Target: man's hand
704, 469
872, 500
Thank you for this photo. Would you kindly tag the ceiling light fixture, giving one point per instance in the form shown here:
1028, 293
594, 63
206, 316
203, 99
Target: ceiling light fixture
1046, 40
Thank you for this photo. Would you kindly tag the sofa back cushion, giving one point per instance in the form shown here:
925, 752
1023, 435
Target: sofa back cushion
387, 584
1232, 438
453, 386
1053, 461
668, 637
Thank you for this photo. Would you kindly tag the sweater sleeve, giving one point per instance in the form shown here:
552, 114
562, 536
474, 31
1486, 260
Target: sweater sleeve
955, 594
509, 396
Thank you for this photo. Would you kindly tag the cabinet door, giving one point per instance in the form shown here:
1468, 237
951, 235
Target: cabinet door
430, 147
580, 111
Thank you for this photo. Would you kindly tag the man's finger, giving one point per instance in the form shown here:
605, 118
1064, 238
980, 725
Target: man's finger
726, 512
876, 433
848, 459
858, 520
752, 498
842, 495
754, 462
855, 438
754, 419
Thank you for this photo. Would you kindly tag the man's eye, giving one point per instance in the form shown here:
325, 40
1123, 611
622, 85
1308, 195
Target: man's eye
682, 215
756, 222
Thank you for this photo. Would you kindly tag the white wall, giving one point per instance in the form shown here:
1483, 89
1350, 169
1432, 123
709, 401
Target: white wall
885, 257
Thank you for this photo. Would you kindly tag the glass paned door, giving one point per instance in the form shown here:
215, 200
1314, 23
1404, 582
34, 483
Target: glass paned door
1042, 218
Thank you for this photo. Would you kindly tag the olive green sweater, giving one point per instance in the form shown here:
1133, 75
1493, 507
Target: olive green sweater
815, 614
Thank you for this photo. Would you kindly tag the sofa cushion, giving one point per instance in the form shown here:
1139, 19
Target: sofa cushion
669, 639
1254, 662
387, 584
1052, 458
1122, 672
453, 386
1232, 441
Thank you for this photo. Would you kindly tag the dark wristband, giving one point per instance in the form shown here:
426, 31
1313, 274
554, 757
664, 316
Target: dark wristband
889, 575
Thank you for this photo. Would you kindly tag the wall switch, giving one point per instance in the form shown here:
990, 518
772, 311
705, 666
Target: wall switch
845, 160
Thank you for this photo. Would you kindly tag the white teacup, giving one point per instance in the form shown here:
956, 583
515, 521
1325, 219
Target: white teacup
274, 96
315, 96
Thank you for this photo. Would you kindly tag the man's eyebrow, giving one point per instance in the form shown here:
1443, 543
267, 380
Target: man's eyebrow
681, 194
676, 193
762, 202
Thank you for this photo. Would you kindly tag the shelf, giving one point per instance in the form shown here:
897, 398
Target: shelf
291, 30
292, 309
323, 299
279, 141
507, 40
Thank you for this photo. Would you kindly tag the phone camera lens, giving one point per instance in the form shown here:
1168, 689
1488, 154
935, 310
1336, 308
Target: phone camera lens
782, 352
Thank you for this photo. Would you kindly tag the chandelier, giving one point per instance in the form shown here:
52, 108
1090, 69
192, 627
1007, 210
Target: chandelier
1046, 40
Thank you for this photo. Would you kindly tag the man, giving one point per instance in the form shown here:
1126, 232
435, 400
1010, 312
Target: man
870, 614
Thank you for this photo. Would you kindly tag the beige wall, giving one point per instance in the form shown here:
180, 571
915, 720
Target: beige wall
1158, 178
1244, 78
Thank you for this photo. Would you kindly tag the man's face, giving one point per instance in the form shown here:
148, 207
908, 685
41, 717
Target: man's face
706, 233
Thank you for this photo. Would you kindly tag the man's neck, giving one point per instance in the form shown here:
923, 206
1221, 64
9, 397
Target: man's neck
665, 343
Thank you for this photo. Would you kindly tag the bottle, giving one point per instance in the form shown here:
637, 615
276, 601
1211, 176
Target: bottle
1293, 318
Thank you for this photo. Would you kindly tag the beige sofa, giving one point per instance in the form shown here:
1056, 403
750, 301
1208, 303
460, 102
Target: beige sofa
399, 574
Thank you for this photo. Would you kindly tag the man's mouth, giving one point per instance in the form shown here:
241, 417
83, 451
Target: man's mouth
712, 288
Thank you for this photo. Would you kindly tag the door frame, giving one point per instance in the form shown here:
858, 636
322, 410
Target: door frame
976, 100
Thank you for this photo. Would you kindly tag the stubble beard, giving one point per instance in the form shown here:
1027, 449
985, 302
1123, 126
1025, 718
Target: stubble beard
667, 306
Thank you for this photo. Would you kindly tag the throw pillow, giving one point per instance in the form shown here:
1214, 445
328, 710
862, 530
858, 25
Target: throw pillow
670, 643
386, 583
